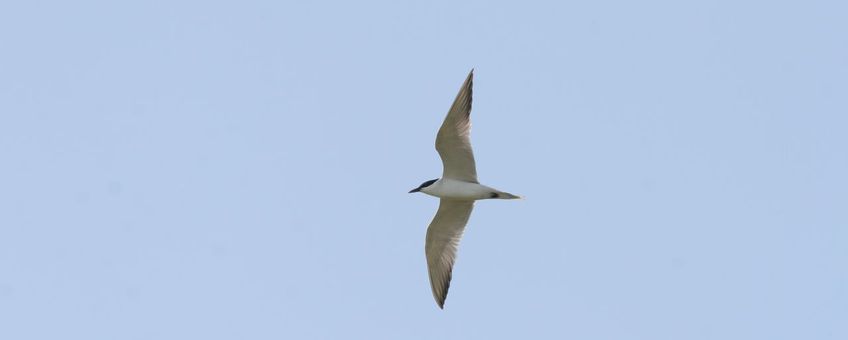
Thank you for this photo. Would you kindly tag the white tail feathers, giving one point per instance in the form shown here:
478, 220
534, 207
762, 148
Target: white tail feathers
507, 196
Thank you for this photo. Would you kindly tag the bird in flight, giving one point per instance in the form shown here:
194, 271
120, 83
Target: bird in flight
457, 189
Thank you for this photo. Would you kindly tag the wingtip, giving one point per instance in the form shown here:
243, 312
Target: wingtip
440, 303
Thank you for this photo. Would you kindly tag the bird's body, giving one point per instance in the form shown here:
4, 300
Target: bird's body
458, 189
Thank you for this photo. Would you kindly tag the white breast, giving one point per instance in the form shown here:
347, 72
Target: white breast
460, 190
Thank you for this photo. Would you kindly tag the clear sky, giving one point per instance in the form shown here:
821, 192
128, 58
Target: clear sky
239, 170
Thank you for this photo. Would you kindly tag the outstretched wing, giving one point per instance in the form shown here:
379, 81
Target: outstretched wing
453, 140
443, 237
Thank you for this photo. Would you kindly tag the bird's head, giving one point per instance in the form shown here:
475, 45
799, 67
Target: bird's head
424, 185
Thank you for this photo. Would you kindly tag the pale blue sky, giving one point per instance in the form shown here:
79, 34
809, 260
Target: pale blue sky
239, 170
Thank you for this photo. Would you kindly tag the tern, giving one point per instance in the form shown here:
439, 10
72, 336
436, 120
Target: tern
457, 189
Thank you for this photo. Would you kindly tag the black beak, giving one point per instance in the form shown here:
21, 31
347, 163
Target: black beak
415, 190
